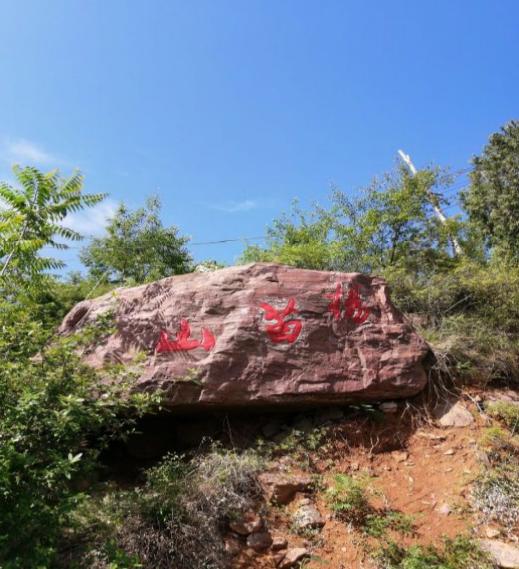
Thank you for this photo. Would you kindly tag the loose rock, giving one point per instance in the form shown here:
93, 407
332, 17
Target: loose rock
453, 414
292, 557
389, 407
259, 541
232, 546
278, 543
308, 517
505, 555
250, 523
281, 488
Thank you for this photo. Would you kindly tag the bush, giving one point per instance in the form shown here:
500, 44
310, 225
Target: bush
469, 314
176, 519
55, 417
507, 413
460, 553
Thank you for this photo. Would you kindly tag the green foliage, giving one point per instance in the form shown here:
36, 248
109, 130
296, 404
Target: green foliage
300, 445
32, 218
387, 224
459, 553
469, 315
492, 200
350, 498
55, 418
506, 412
137, 247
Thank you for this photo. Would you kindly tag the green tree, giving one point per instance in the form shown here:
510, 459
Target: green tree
492, 200
388, 224
137, 247
31, 218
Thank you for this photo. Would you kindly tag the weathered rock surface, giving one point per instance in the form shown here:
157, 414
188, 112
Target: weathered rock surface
260, 334
259, 541
307, 516
250, 523
292, 557
279, 542
280, 487
504, 554
453, 414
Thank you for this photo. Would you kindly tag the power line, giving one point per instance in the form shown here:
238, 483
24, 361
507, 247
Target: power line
151, 246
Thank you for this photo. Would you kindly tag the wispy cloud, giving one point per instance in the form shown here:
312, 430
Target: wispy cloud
27, 153
231, 206
91, 221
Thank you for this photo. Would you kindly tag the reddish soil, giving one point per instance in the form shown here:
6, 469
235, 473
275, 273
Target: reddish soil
419, 470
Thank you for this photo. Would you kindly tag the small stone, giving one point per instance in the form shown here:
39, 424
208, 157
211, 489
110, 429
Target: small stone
448, 470
400, 455
389, 407
232, 546
449, 452
279, 542
278, 557
308, 517
431, 436
453, 414
250, 523
444, 509
292, 557
304, 502
281, 488
354, 466
492, 533
259, 541
506, 556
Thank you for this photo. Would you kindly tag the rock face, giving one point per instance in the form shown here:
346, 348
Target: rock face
260, 334
504, 554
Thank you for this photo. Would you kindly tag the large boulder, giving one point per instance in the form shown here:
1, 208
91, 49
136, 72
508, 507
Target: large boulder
260, 334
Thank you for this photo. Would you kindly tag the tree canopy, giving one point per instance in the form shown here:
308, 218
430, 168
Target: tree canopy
137, 247
492, 199
389, 223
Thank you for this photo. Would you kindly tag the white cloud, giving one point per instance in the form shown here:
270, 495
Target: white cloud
231, 206
27, 153
91, 221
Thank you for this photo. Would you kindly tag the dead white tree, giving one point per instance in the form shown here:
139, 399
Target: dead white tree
434, 202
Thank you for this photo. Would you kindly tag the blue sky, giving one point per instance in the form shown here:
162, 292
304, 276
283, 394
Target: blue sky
233, 108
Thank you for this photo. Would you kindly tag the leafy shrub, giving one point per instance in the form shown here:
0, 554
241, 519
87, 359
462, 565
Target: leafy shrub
55, 418
350, 497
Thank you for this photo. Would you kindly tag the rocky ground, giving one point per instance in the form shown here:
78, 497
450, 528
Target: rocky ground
422, 469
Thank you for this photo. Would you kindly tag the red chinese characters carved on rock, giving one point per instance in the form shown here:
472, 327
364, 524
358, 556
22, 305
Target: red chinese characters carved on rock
282, 331
354, 310
184, 342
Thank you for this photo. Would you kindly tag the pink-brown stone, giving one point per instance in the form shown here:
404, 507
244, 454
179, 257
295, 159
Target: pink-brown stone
212, 339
